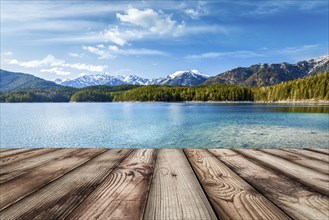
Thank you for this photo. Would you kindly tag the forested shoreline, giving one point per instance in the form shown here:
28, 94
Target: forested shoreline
313, 88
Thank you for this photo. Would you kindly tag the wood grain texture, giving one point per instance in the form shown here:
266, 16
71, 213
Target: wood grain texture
28, 154
14, 151
314, 179
231, 196
310, 154
12, 170
292, 197
23, 185
319, 150
123, 194
5, 149
175, 192
58, 199
301, 160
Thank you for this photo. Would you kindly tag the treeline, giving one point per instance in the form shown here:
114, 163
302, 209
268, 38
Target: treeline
217, 92
99, 93
62, 94
310, 88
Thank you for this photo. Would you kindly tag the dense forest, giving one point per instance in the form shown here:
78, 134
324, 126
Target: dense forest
62, 94
99, 93
217, 92
314, 88
310, 88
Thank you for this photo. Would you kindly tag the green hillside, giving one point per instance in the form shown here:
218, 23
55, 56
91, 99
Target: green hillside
10, 81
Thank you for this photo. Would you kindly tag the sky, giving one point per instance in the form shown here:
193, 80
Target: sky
150, 39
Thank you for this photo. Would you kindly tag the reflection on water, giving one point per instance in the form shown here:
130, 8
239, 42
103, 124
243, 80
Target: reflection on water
301, 109
163, 125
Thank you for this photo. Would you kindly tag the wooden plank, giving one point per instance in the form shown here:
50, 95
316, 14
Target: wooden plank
58, 199
175, 192
12, 170
24, 155
314, 179
292, 197
123, 194
15, 151
231, 196
319, 150
299, 159
23, 185
310, 154
5, 149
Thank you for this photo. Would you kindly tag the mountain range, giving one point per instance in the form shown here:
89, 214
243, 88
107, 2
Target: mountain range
184, 78
270, 74
255, 75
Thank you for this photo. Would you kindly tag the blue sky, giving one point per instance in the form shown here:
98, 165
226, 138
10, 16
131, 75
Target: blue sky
65, 39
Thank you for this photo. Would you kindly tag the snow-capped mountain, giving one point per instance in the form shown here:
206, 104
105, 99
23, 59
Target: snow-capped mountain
317, 65
269, 74
185, 78
59, 81
104, 79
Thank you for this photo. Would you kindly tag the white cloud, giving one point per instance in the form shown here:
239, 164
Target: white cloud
253, 8
299, 49
113, 51
102, 54
196, 13
113, 48
63, 26
52, 10
234, 54
7, 53
139, 24
86, 38
78, 55
56, 70
83, 66
51, 61
295, 53
151, 24
119, 37
156, 22
141, 51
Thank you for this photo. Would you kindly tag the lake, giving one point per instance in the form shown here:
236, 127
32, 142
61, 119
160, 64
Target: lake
163, 125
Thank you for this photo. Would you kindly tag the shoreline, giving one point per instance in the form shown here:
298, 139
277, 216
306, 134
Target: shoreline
319, 102
267, 102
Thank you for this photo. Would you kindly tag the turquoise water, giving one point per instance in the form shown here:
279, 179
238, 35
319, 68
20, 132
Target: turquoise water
148, 125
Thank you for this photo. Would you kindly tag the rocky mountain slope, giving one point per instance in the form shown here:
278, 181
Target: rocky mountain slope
269, 74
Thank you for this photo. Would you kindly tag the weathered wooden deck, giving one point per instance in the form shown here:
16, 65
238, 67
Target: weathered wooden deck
164, 184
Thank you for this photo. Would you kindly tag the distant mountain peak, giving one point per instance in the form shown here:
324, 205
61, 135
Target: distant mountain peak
320, 59
193, 73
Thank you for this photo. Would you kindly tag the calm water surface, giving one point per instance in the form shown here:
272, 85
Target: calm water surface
143, 125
